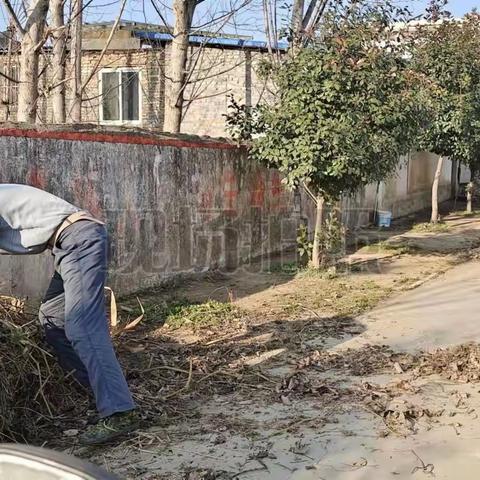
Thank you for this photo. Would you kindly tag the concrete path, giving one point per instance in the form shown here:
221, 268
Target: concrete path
443, 312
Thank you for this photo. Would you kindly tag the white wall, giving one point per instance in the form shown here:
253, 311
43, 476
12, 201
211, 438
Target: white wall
408, 191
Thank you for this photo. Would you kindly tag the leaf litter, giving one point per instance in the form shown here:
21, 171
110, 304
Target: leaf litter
160, 367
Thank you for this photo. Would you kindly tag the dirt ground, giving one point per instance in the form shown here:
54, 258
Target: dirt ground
275, 372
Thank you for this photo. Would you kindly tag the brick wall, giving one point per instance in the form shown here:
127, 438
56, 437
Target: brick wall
150, 63
220, 73
217, 74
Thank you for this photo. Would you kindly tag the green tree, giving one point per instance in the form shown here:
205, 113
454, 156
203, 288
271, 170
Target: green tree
447, 56
345, 109
468, 150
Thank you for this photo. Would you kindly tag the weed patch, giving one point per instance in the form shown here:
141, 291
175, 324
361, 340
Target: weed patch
430, 228
182, 313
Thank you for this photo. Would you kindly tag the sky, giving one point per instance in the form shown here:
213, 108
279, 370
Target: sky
248, 21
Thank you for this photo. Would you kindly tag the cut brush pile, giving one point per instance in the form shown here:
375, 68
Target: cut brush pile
34, 392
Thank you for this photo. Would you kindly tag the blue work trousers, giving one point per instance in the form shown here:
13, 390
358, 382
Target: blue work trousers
74, 317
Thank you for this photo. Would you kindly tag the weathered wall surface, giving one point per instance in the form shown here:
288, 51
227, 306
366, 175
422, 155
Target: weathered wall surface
408, 191
411, 189
173, 205
220, 73
179, 205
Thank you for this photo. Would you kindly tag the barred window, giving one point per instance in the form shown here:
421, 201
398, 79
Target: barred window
120, 96
9, 84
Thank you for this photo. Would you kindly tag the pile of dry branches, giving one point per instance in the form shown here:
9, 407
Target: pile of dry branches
39, 402
34, 393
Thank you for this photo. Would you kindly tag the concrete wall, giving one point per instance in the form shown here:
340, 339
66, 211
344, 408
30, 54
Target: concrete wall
179, 205
173, 206
409, 190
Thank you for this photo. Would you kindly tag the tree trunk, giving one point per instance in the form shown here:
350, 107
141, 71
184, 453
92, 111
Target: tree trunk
175, 82
470, 190
7, 96
76, 61
297, 23
32, 41
457, 175
436, 182
59, 44
316, 252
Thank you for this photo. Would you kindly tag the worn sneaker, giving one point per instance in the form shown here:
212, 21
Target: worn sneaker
110, 428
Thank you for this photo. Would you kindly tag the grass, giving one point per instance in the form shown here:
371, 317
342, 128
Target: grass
385, 247
182, 313
464, 214
202, 315
289, 268
325, 273
406, 280
358, 298
430, 227
341, 297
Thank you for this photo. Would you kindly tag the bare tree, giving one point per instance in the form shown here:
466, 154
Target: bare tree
436, 182
75, 112
175, 85
303, 22
59, 50
10, 83
297, 22
32, 35
179, 75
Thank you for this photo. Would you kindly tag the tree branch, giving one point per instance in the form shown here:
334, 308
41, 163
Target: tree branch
310, 193
311, 19
102, 54
266, 20
226, 15
14, 17
162, 18
7, 77
309, 12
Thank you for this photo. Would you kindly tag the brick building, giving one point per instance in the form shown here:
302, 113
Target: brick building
128, 84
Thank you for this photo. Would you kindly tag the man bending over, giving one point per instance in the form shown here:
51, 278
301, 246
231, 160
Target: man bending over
73, 310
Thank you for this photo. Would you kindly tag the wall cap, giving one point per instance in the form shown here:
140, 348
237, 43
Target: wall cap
128, 135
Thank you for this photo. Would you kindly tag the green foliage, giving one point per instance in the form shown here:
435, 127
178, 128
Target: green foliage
447, 59
431, 228
345, 108
436, 11
332, 236
200, 315
241, 121
304, 245
265, 68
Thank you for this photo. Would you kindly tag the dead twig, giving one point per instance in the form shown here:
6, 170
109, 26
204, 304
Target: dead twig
187, 385
426, 468
251, 470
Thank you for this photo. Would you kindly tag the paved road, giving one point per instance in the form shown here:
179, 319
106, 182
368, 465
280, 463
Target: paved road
443, 312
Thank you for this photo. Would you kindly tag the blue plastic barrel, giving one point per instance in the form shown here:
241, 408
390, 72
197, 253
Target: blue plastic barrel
384, 218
